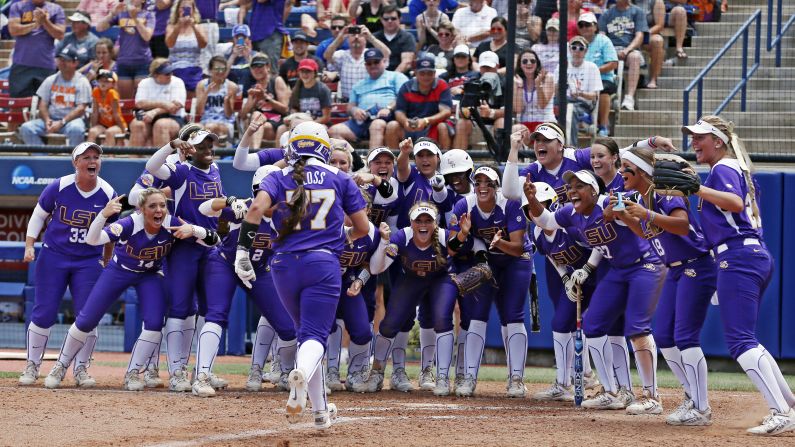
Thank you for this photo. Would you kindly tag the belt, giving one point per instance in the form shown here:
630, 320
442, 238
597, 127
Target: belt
645, 255
321, 250
736, 244
686, 261
127, 268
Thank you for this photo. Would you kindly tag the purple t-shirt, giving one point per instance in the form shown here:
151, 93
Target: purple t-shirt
507, 216
161, 19
383, 207
133, 50
190, 187
270, 156
208, 9
673, 247
415, 189
37, 48
332, 194
267, 18
261, 247
563, 249
573, 160
719, 225
72, 212
137, 250
417, 261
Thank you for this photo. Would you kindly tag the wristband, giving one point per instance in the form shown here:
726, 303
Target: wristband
246, 237
588, 268
385, 189
230, 199
427, 122
454, 243
652, 216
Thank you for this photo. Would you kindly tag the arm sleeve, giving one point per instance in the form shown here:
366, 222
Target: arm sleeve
95, 235
561, 269
439, 196
379, 261
547, 221
244, 161
36, 222
206, 208
511, 182
595, 258
155, 165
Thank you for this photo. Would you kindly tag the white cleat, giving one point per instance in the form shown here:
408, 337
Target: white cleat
676, 416
333, 380
375, 380
254, 382
516, 388
626, 398
218, 383
30, 375
274, 374
82, 378
775, 423
692, 418
647, 404
590, 381
283, 384
55, 377
152, 377
324, 419
442, 387
466, 387
357, 381
179, 382
427, 381
400, 381
297, 400
132, 381
556, 392
202, 386
603, 400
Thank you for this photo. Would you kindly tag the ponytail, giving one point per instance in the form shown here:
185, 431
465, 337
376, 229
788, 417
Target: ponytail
297, 204
441, 259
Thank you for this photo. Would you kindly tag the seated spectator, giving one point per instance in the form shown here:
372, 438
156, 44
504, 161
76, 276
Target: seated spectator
309, 96
417, 7
492, 111
584, 85
157, 44
625, 23
459, 72
289, 68
371, 103
160, 107
474, 23
80, 39
427, 25
549, 53
269, 95
401, 44
106, 116
185, 39
238, 57
602, 53
96, 9
533, 92
35, 25
497, 45
63, 99
575, 8
658, 19
325, 11
368, 13
103, 60
338, 23
528, 26
350, 62
423, 108
136, 26
595, 6
215, 100
443, 51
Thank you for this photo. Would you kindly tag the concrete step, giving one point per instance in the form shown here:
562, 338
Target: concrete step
785, 105
717, 42
673, 131
737, 51
733, 61
762, 146
729, 70
753, 95
674, 117
672, 80
7, 44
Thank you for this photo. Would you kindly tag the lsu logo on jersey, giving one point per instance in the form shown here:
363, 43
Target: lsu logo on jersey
77, 218
261, 241
601, 234
569, 256
150, 253
352, 258
115, 229
204, 191
421, 267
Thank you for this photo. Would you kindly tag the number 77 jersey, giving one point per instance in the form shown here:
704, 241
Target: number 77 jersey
331, 194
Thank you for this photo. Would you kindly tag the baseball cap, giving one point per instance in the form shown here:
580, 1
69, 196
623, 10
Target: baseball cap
373, 53
82, 147
703, 128
200, 135
553, 23
260, 59
80, 16
461, 49
425, 63
587, 17
308, 64
420, 210
426, 145
68, 53
241, 30
550, 131
165, 68
378, 151
301, 36
489, 59
490, 173
579, 39
584, 175
107, 74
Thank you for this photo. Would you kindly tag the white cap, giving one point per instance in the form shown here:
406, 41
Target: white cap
261, 173
550, 131
461, 49
200, 135
420, 210
488, 172
454, 161
82, 147
588, 17
378, 151
703, 127
426, 146
545, 192
554, 22
489, 59
587, 177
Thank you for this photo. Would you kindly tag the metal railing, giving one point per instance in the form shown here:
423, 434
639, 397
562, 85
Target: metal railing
780, 30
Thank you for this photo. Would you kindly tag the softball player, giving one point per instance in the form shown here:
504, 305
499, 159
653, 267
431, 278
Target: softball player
733, 228
691, 280
380, 180
141, 240
605, 162
631, 284
244, 161
70, 203
422, 251
311, 200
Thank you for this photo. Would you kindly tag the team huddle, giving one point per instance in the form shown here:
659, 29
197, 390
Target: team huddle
315, 241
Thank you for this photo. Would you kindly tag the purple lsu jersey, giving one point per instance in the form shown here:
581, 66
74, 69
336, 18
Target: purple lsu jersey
507, 216
72, 212
416, 188
615, 185
261, 248
383, 207
720, 225
673, 247
135, 249
332, 194
415, 260
573, 160
269, 156
619, 246
561, 248
447, 205
190, 187
359, 251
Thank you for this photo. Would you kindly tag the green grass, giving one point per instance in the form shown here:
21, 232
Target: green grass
8, 375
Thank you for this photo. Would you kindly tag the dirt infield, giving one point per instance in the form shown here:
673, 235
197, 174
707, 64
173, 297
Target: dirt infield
108, 416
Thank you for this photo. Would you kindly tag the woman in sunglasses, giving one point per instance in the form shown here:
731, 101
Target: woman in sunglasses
497, 44
428, 23
533, 92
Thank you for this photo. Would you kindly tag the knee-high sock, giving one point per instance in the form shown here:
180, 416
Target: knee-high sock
316, 389
473, 349
646, 362
399, 346
173, 331
675, 359
358, 357
444, 353
618, 344
602, 356
309, 357
334, 345
147, 342
154, 360
262, 342
759, 370
695, 366
37, 342
782, 383
72, 344
516, 348
188, 331
83, 358
427, 347
460, 346
382, 349
207, 349
563, 342
586, 356
504, 334
286, 353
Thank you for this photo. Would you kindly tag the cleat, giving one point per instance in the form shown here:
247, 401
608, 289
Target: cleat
55, 377
375, 380
218, 383
590, 381
603, 400
132, 381
30, 375
516, 388
178, 381
775, 423
466, 388
357, 381
556, 392
283, 384
458, 379
275, 374
152, 377
202, 386
692, 418
333, 380
297, 400
83, 379
427, 382
625, 396
254, 382
675, 417
647, 404
324, 419
400, 381
442, 387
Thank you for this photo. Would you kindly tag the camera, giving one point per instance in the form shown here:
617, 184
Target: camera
354, 30
476, 91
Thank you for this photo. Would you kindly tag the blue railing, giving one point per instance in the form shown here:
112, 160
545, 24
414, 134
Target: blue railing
780, 31
745, 74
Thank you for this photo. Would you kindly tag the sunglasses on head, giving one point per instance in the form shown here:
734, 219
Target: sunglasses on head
577, 48
389, 19
529, 61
